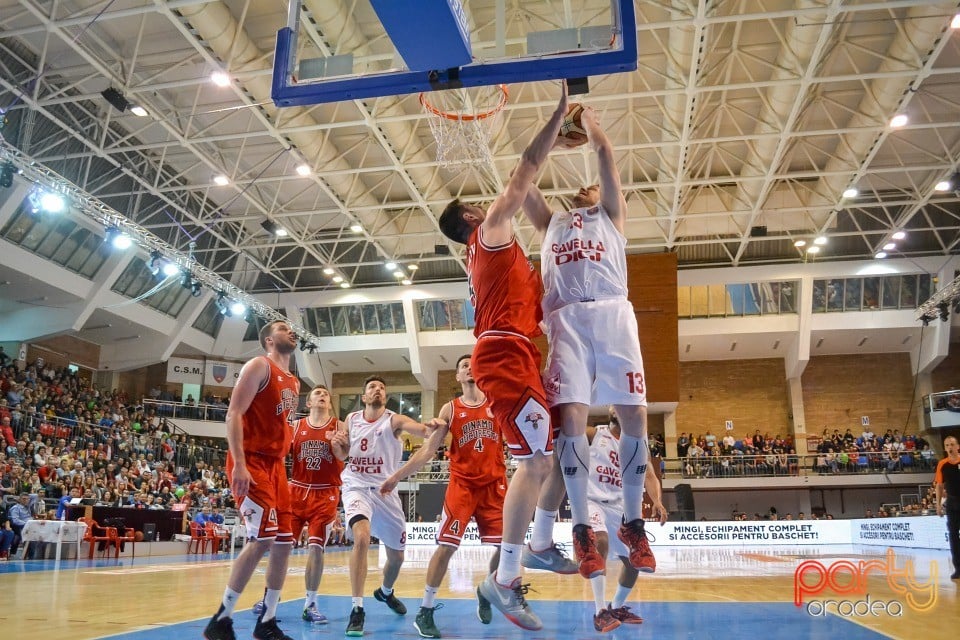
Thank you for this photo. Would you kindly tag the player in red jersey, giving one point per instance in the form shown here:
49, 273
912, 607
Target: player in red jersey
505, 289
478, 484
263, 403
320, 445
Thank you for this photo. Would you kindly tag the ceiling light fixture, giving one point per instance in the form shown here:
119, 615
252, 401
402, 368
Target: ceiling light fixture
955, 23
800, 243
117, 238
899, 235
220, 78
328, 271
138, 111
356, 228
391, 266
899, 120
406, 281
344, 285
813, 249
412, 267
943, 185
880, 255
820, 240
337, 279
221, 180
852, 192
890, 246
303, 170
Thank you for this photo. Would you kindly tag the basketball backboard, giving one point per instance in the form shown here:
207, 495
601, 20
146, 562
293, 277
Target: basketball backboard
386, 47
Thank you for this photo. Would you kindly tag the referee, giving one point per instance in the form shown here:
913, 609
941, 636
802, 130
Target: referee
948, 482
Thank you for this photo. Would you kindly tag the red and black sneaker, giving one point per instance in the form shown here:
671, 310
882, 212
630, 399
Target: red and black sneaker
634, 536
604, 621
591, 563
625, 616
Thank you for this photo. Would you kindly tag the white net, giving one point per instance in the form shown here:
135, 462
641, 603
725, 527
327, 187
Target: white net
463, 123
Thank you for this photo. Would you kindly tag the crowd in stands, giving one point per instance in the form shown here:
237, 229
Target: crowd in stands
705, 456
61, 436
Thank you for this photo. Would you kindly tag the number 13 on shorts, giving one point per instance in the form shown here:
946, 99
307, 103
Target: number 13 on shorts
635, 382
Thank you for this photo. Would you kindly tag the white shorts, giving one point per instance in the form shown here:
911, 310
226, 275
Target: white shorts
385, 514
594, 356
608, 516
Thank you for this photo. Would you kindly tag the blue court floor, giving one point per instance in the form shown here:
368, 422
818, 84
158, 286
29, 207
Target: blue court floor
569, 620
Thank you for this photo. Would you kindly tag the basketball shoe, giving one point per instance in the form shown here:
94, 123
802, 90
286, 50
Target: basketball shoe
484, 612
268, 630
634, 536
604, 621
511, 602
219, 629
424, 623
624, 615
355, 626
311, 615
392, 601
585, 549
550, 559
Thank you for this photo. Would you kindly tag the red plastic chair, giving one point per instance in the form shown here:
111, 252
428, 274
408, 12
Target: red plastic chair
128, 536
198, 537
216, 535
95, 533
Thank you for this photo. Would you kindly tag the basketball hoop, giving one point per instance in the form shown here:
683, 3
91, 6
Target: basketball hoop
463, 124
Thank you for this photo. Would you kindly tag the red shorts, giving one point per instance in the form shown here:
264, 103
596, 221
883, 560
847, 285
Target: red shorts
266, 507
484, 503
316, 507
507, 370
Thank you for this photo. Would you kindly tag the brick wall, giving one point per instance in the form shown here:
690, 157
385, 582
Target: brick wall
838, 390
752, 393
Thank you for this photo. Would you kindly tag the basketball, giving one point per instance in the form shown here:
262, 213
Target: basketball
138, 536
572, 133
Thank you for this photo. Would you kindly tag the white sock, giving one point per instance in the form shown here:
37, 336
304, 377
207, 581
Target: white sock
229, 602
634, 454
429, 597
270, 601
311, 599
386, 590
509, 567
620, 597
542, 536
574, 465
599, 587
357, 602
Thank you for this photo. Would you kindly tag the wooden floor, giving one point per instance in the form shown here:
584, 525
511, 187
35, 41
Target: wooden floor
706, 592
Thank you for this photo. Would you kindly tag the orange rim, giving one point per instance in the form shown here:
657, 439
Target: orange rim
468, 116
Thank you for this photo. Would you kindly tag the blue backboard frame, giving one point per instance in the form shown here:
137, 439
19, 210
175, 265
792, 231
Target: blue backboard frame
286, 93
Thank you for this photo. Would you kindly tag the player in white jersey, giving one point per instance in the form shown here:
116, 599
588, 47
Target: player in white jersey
605, 502
594, 356
375, 454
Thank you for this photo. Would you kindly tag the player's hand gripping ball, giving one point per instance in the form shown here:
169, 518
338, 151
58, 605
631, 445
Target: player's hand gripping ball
572, 133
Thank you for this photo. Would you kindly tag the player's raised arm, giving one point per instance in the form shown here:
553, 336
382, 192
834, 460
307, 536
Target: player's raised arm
424, 454
497, 224
340, 441
611, 196
536, 209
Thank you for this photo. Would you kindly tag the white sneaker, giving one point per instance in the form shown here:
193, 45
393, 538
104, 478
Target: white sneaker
550, 559
511, 602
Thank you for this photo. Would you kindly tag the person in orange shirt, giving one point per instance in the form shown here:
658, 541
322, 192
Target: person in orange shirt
947, 480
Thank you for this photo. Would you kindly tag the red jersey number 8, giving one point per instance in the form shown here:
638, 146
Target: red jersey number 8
363, 444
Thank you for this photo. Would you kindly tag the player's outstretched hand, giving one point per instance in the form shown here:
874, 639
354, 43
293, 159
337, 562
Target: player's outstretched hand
338, 437
389, 485
435, 423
